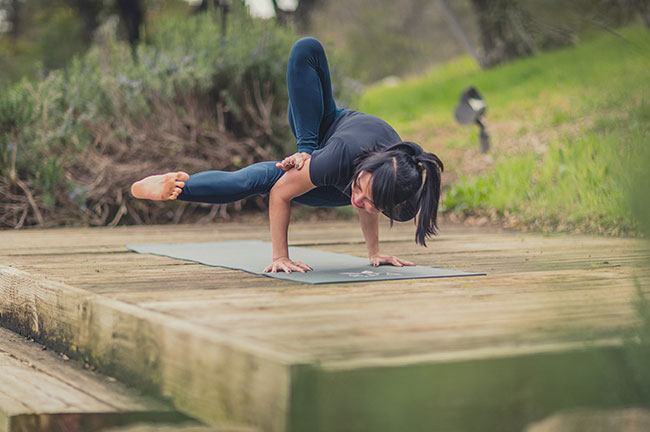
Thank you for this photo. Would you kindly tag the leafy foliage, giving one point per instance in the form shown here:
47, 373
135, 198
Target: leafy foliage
192, 101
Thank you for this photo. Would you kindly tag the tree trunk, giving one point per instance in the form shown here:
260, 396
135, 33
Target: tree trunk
89, 11
301, 16
224, 8
132, 15
643, 7
458, 31
280, 14
502, 30
14, 18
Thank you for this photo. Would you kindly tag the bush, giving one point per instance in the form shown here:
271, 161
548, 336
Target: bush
192, 101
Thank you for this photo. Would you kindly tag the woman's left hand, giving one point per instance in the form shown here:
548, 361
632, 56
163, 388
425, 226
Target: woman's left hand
379, 259
296, 160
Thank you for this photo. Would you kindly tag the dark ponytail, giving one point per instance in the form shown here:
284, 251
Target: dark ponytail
406, 182
427, 224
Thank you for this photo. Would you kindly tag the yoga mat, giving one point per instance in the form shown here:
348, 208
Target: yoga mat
253, 256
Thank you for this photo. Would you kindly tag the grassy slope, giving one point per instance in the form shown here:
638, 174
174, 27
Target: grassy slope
566, 128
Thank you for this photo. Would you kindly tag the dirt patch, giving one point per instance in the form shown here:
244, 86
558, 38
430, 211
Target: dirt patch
458, 147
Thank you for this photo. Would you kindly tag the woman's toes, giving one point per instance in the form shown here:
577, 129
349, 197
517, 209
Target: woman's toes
182, 175
180, 184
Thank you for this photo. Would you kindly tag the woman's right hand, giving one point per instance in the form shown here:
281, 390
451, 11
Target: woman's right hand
286, 265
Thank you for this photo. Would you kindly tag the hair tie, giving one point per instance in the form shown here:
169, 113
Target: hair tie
418, 162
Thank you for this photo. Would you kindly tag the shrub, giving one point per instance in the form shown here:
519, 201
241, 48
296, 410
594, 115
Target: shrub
72, 143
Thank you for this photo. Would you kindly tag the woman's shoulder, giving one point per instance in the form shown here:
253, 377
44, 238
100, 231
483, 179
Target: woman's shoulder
352, 122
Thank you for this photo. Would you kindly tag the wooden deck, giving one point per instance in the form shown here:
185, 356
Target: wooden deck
541, 332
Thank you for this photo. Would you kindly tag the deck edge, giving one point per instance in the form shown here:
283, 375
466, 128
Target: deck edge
151, 351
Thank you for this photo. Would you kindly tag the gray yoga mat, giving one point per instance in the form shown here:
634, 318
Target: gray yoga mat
253, 256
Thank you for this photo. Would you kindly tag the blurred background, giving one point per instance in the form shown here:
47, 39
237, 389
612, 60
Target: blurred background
98, 93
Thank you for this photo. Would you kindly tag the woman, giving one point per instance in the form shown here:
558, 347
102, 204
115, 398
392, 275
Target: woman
344, 157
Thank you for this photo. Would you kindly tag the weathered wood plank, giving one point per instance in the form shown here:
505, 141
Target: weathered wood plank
624, 420
183, 428
107, 238
41, 392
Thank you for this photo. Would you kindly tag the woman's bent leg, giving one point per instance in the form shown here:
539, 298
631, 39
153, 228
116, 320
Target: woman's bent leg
324, 196
312, 108
220, 187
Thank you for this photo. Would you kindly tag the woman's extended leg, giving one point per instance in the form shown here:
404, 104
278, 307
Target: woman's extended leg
220, 187
312, 108
211, 187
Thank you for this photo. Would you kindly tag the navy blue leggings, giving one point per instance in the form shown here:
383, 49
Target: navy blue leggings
312, 111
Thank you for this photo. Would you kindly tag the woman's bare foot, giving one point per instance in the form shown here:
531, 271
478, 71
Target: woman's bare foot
161, 187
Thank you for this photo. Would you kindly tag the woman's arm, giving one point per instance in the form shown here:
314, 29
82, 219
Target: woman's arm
293, 183
370, 229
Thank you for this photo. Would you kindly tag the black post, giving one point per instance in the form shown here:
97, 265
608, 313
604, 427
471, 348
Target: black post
225, 8
132, 15
484, 136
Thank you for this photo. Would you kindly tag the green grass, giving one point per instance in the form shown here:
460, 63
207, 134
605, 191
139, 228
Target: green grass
587, 107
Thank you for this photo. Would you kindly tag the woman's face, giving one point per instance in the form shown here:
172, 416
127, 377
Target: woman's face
362, 193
